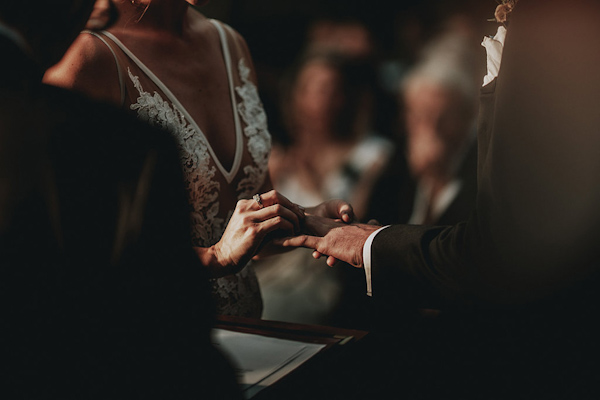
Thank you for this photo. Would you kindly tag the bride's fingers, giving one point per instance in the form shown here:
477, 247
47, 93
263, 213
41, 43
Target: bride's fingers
273, 197
275, 211
273, 224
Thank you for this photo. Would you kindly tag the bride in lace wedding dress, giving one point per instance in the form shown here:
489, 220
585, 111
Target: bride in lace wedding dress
193, 76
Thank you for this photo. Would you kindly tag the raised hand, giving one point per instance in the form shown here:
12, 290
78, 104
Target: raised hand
247, 231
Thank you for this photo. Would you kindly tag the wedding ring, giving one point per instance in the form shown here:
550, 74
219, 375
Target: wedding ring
258, 200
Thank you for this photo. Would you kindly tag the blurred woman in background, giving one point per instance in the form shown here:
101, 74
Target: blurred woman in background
334, 151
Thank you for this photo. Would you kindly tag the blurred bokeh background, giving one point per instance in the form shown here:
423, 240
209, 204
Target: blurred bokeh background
278, 31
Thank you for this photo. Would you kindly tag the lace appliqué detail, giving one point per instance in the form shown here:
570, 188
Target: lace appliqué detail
237, 294
252, 113
202, 190
256, 130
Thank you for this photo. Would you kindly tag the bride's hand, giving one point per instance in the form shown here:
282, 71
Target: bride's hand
335, 209
251, 222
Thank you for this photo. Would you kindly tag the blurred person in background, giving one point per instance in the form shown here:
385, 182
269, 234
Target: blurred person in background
355, 36
345, 35
433, 178
334, 153
329, 107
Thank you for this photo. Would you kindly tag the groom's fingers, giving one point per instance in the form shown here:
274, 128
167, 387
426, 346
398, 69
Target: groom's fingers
332, 261
346, 213
307, 241
311, 242
338, 208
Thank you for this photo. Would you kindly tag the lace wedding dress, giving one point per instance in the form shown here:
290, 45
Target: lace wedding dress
206, 178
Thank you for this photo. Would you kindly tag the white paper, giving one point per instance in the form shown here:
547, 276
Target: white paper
260, 360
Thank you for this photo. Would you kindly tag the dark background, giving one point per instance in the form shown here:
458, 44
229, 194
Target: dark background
275, 29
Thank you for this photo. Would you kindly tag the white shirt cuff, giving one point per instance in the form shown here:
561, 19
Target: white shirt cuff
367, 258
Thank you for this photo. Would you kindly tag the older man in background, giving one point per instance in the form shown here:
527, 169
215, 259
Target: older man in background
433, 179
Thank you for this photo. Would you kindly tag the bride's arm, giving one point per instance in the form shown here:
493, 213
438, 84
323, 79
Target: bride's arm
88, 67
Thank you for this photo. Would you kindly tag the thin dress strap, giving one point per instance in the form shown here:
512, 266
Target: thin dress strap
121, 84
239, 148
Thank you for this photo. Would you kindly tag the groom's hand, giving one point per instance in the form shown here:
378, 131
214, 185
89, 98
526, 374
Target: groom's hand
333, 238
336, 209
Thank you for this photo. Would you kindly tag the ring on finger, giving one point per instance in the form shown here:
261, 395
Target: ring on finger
258, 200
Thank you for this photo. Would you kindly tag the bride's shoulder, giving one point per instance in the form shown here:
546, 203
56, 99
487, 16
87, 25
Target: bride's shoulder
88, 67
